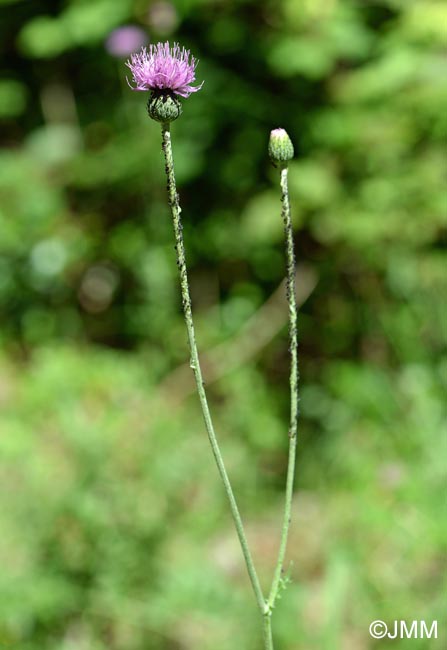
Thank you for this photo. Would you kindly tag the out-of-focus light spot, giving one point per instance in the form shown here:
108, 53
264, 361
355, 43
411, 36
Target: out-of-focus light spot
58, 104
391, 475
98, 287
162, 17
48, 257
123, 41
54, 144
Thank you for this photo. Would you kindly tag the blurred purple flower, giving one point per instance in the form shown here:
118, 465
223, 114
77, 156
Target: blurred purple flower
125, 40
164, 68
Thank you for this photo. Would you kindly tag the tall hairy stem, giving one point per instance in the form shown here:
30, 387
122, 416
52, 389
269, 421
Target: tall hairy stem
293, 333
265, 606
195, 365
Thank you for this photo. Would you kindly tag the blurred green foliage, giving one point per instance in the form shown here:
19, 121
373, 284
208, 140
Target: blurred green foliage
115, 532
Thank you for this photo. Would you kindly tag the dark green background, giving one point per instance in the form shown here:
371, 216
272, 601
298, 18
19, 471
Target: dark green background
115, 533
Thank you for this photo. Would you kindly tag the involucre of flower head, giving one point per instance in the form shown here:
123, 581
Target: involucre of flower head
280, 146
164, 107
164, 68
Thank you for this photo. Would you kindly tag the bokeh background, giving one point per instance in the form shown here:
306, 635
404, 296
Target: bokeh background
115, 532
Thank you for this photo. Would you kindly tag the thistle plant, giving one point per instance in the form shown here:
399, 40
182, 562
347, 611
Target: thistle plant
168, 73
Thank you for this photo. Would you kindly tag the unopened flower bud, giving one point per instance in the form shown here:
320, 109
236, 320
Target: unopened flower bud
163, 106
280, 146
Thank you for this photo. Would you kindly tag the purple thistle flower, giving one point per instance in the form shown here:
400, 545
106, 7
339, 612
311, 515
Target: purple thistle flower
164, 68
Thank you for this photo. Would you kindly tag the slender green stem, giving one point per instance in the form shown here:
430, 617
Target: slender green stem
267, 631
293, 333
195, 365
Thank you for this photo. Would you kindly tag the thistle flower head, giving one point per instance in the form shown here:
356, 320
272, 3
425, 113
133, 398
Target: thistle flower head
164, 68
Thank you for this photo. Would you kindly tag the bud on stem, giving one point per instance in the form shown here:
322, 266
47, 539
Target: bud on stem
280, 147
